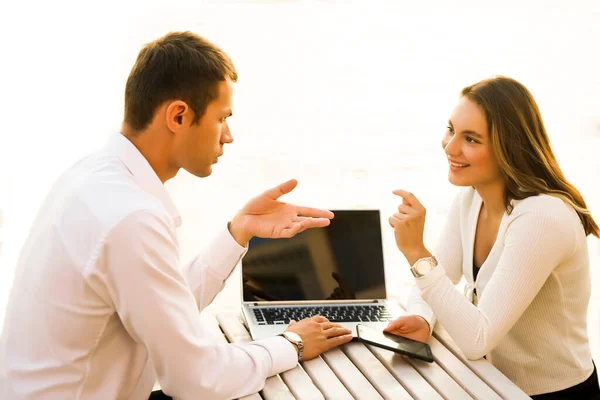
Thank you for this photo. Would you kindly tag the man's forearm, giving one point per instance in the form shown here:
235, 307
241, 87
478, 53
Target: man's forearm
206, 274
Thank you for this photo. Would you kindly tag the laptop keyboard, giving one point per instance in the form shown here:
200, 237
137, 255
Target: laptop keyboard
346, 313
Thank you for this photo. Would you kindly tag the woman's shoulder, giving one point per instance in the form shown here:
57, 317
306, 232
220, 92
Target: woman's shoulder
551, 208
545, 206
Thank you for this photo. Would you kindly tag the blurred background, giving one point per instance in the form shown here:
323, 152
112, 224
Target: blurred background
350, 97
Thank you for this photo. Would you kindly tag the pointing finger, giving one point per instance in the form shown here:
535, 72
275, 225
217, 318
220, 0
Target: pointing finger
409, 197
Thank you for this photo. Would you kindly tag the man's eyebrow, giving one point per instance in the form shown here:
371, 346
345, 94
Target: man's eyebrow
468, 131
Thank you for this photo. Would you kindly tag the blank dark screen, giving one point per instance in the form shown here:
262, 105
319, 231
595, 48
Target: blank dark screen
339, 262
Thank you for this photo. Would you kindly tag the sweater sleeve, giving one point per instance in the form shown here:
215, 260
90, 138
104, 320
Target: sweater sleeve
448, 253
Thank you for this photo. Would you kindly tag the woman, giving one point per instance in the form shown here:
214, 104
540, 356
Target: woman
517, 232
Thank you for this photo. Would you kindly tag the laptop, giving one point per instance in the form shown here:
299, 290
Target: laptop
336, 271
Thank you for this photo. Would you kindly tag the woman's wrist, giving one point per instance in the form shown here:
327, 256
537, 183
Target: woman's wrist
426, 322
413, 255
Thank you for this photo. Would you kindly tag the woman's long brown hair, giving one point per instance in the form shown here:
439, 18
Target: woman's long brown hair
522, 147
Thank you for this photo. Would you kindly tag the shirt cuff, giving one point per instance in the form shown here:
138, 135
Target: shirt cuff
224, 254
283, 353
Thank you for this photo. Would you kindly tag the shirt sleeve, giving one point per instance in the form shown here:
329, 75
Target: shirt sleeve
207, 273
139, 262
532, 249
448, 253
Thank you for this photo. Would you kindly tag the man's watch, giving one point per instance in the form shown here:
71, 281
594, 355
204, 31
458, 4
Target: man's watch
423, 265
296, 340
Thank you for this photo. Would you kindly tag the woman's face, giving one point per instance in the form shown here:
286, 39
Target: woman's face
468, 147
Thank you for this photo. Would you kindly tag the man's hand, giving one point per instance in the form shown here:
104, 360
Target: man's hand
410, 326
319, 335
265, 216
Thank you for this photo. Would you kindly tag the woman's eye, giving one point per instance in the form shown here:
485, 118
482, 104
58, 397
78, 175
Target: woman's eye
471, 140
450, 130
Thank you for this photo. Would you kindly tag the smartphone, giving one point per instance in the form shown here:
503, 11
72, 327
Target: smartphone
398, 344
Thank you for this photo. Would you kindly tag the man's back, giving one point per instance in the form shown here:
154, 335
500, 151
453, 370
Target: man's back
61, 324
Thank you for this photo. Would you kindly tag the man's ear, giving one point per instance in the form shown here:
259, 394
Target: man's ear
177, 114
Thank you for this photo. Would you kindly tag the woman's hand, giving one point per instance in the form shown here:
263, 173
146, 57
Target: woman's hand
410, 326
409, 224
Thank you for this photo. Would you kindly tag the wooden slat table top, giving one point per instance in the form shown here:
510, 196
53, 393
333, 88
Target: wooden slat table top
359, 371
459, 366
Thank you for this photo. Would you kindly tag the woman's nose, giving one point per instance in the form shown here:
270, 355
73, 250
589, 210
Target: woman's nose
450, 146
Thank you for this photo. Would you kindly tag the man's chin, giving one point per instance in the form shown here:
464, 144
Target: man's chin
201, 173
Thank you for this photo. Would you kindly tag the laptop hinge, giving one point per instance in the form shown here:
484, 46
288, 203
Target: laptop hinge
312, 303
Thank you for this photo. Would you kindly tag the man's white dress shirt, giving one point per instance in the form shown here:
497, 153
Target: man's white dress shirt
100, 307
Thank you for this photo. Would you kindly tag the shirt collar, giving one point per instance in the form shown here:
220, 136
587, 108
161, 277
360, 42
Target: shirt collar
119, 146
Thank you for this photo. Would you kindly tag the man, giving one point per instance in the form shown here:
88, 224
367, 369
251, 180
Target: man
99, 307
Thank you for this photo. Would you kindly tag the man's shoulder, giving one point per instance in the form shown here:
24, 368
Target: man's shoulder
100, 189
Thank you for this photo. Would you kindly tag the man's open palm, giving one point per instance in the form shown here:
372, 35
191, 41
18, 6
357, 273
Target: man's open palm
266, 216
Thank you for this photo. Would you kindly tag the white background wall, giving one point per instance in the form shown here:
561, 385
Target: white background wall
351, 98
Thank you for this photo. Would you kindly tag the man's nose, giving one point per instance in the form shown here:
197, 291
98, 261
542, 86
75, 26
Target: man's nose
226, 136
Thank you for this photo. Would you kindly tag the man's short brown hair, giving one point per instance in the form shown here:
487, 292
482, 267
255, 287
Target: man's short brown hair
179, 66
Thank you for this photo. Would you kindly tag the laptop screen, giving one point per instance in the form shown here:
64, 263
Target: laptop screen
341, 261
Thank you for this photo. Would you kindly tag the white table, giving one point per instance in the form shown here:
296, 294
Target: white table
359, 371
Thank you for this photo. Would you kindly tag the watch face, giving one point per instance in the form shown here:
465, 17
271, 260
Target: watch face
293, 336
423, 267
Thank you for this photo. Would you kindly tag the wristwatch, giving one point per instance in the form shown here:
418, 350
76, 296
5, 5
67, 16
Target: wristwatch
423, 265
296, 340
